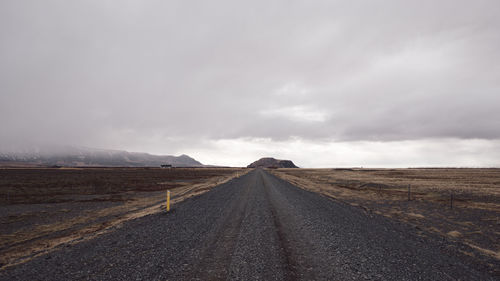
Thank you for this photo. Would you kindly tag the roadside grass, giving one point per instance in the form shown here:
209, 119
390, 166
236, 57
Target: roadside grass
459, 204
30, 232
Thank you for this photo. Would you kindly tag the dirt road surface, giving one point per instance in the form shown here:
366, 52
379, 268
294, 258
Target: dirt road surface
257, 227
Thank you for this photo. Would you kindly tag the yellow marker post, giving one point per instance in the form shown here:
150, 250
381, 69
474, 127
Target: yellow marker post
168, 200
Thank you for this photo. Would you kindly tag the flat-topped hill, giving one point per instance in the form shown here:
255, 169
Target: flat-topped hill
269, 162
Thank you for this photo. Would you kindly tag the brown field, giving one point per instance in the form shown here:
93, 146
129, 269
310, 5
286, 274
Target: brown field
473, 218
44, 208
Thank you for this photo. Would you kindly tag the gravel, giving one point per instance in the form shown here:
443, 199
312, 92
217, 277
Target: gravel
256, 227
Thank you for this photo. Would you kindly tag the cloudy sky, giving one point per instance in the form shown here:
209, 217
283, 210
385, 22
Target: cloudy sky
324, 83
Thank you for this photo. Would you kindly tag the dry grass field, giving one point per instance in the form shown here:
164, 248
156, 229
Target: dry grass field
43, 208
472, 218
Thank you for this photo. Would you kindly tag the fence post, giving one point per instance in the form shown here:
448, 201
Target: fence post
409, 196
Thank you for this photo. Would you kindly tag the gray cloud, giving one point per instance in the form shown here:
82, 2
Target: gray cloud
114, 73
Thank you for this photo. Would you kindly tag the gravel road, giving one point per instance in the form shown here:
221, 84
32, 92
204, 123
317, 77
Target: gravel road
257, 227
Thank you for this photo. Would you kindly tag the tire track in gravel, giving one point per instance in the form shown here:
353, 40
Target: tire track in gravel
216, 257
256, 227
290, 261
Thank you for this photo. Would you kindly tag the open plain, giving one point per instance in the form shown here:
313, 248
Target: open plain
256, 226
44, 208
458, 204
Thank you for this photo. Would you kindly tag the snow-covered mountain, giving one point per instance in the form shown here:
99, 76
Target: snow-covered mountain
83, 156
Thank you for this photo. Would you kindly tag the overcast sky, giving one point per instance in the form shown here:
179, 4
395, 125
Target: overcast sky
323, 83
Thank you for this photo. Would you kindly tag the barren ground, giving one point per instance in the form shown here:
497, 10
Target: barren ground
260, 227
472, 219
41, 209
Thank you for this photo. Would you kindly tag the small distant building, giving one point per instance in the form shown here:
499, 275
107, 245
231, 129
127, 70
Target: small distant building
166, 166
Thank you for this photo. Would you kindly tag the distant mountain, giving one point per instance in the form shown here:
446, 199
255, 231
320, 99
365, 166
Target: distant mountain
269, 162
82, 156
